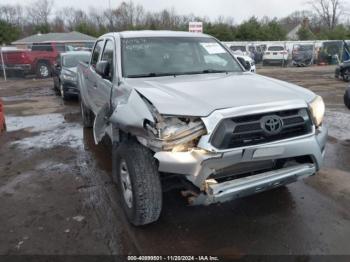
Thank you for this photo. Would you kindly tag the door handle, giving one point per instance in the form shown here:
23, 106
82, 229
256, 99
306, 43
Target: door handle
94, 85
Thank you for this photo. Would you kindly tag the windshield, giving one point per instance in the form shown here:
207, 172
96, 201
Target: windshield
276, 48
73, 60
161, 56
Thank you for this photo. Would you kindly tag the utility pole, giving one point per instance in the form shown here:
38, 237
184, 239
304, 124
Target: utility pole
3, 64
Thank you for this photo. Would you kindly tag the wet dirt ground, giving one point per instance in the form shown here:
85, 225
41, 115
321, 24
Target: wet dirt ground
56, 194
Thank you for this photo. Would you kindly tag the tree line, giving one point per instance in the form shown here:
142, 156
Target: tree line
324, 21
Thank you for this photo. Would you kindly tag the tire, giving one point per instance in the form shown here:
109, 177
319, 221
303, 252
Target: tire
136, 174
347, 98
43, 70
346, 75
63, 93
87, 115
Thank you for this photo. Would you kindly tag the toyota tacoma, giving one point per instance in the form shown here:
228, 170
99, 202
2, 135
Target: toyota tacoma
181, 110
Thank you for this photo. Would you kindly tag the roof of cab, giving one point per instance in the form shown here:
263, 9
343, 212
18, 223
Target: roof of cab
158, 33
72, 53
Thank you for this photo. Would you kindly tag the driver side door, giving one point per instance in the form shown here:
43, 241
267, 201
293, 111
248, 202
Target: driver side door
105, 83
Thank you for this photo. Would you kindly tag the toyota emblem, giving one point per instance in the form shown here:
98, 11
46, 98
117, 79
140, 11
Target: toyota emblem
272, 125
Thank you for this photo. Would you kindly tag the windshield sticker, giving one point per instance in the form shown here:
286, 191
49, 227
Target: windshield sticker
213, 48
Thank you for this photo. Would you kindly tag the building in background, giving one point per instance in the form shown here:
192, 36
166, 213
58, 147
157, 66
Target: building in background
74, 39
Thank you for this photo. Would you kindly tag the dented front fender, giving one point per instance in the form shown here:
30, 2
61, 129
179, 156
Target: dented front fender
131, 115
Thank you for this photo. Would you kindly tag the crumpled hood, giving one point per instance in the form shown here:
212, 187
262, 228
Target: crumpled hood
200, 95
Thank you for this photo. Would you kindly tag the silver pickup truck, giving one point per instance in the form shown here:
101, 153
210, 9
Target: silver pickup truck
181, 110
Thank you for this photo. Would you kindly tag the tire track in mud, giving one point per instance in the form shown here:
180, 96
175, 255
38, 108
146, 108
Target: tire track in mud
101, 198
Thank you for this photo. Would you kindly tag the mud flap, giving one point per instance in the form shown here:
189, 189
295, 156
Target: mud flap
101, 123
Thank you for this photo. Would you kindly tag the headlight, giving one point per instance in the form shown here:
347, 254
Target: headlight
177, 133
317, 109
69, 77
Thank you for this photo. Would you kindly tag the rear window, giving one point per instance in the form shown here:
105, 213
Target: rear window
306, 47
72, 60
276, 48
61, 47
42, 47
238, 48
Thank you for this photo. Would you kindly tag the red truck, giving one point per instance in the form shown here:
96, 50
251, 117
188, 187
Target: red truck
39, 60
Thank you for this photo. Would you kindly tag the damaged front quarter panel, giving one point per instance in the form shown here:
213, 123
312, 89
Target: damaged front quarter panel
137, 116
131, 115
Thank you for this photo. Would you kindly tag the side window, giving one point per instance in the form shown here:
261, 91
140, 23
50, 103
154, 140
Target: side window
61, 47
47, 47
108, 55
96, 53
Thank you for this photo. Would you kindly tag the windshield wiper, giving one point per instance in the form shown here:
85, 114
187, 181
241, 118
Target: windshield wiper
150, 75
208, 71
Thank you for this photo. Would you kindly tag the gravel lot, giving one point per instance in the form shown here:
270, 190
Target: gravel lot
57, 197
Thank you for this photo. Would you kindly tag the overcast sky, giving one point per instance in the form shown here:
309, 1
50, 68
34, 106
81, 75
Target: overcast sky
239, 9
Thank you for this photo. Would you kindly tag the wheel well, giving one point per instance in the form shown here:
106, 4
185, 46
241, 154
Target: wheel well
42, 62
124, 136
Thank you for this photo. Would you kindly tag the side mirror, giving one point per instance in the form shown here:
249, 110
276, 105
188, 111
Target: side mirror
244, 63
247, 65
103, 69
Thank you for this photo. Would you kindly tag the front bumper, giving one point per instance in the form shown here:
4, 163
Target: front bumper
275, 61
198, 165
70, 87
246, 186
26, 68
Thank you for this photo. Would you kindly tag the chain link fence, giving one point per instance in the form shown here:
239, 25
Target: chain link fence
13, 62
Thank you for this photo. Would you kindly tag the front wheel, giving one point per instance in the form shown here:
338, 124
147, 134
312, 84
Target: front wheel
63, 93
346, 75
347, 98
43, 70
136, 175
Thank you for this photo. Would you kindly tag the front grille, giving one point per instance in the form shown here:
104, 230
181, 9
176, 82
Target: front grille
248, 130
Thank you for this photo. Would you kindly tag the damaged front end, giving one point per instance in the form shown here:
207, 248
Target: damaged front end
138, 117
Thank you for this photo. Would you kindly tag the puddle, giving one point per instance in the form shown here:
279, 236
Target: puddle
36, 123
52, 166
69, 135
52, 130
338, 124
10, 187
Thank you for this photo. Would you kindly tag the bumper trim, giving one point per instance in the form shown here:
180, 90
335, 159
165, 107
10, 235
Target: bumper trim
222, 192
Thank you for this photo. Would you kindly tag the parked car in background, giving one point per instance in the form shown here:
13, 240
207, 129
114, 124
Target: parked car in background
178, 107
275, 55
256, 52
343, 71
241, 49
247, 62
38, 60
302, 55
2, 117
331, 52
65, 72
